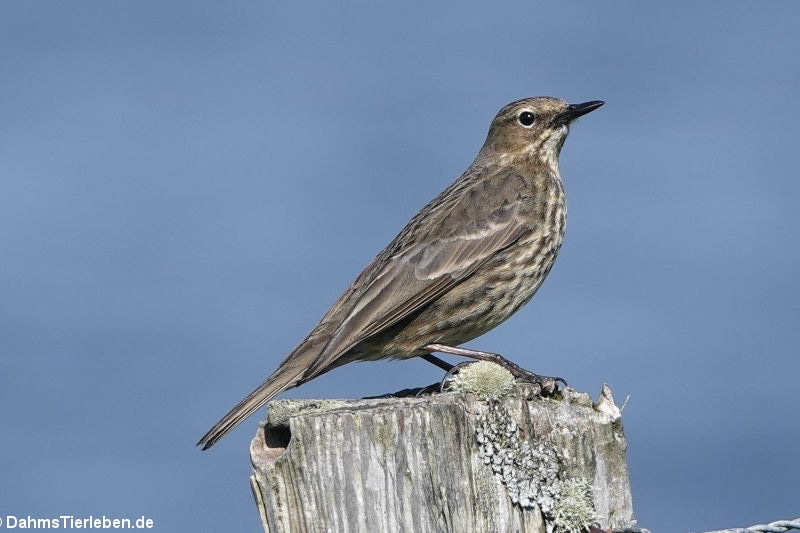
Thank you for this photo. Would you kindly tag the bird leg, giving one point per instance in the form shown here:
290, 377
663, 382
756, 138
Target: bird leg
444, 365
545, 382
450, 371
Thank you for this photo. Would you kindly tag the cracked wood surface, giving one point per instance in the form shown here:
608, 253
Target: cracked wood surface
411, 464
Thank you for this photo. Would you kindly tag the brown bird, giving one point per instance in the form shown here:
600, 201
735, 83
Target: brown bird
465, 263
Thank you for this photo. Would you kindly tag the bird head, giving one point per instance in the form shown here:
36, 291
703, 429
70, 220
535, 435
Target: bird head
534, 127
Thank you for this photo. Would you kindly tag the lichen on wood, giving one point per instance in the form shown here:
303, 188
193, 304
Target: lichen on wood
528, 468
415, 463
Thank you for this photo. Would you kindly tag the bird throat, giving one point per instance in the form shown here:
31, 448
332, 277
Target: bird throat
540, 155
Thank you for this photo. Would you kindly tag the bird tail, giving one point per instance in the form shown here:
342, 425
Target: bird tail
289, 374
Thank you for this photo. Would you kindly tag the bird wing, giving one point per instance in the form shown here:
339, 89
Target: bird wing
476, 218
460, 233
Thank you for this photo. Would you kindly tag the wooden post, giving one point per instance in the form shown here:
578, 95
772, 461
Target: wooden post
452, 461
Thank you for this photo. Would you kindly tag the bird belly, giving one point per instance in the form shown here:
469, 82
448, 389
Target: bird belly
474, 306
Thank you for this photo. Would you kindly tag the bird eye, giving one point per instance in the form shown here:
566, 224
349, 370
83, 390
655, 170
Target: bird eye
526, 118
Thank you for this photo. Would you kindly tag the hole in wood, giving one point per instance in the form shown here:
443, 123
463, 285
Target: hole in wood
277, 436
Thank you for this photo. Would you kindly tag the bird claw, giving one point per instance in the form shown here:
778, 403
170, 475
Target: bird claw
545, 385
433, 388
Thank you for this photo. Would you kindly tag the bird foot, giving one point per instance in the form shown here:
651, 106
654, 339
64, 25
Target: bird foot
543, 385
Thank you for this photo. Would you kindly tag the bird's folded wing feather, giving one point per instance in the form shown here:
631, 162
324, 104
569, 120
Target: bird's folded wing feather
419, 273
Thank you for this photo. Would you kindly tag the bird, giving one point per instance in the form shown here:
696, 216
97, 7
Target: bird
466, 262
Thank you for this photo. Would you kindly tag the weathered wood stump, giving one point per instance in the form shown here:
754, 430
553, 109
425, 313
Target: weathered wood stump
442, 462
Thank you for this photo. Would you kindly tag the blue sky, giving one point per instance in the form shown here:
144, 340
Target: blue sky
187, 186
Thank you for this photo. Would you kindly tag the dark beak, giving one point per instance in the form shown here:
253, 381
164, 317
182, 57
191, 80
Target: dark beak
574, 111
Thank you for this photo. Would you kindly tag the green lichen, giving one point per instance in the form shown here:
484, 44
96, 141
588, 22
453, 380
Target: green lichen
383, 434
532, 473
484, 379
574, 508
280, 411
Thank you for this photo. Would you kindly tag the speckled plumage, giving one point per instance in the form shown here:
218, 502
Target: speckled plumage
465, 263
532, 211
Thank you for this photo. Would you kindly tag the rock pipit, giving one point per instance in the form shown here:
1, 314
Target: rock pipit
465, 263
